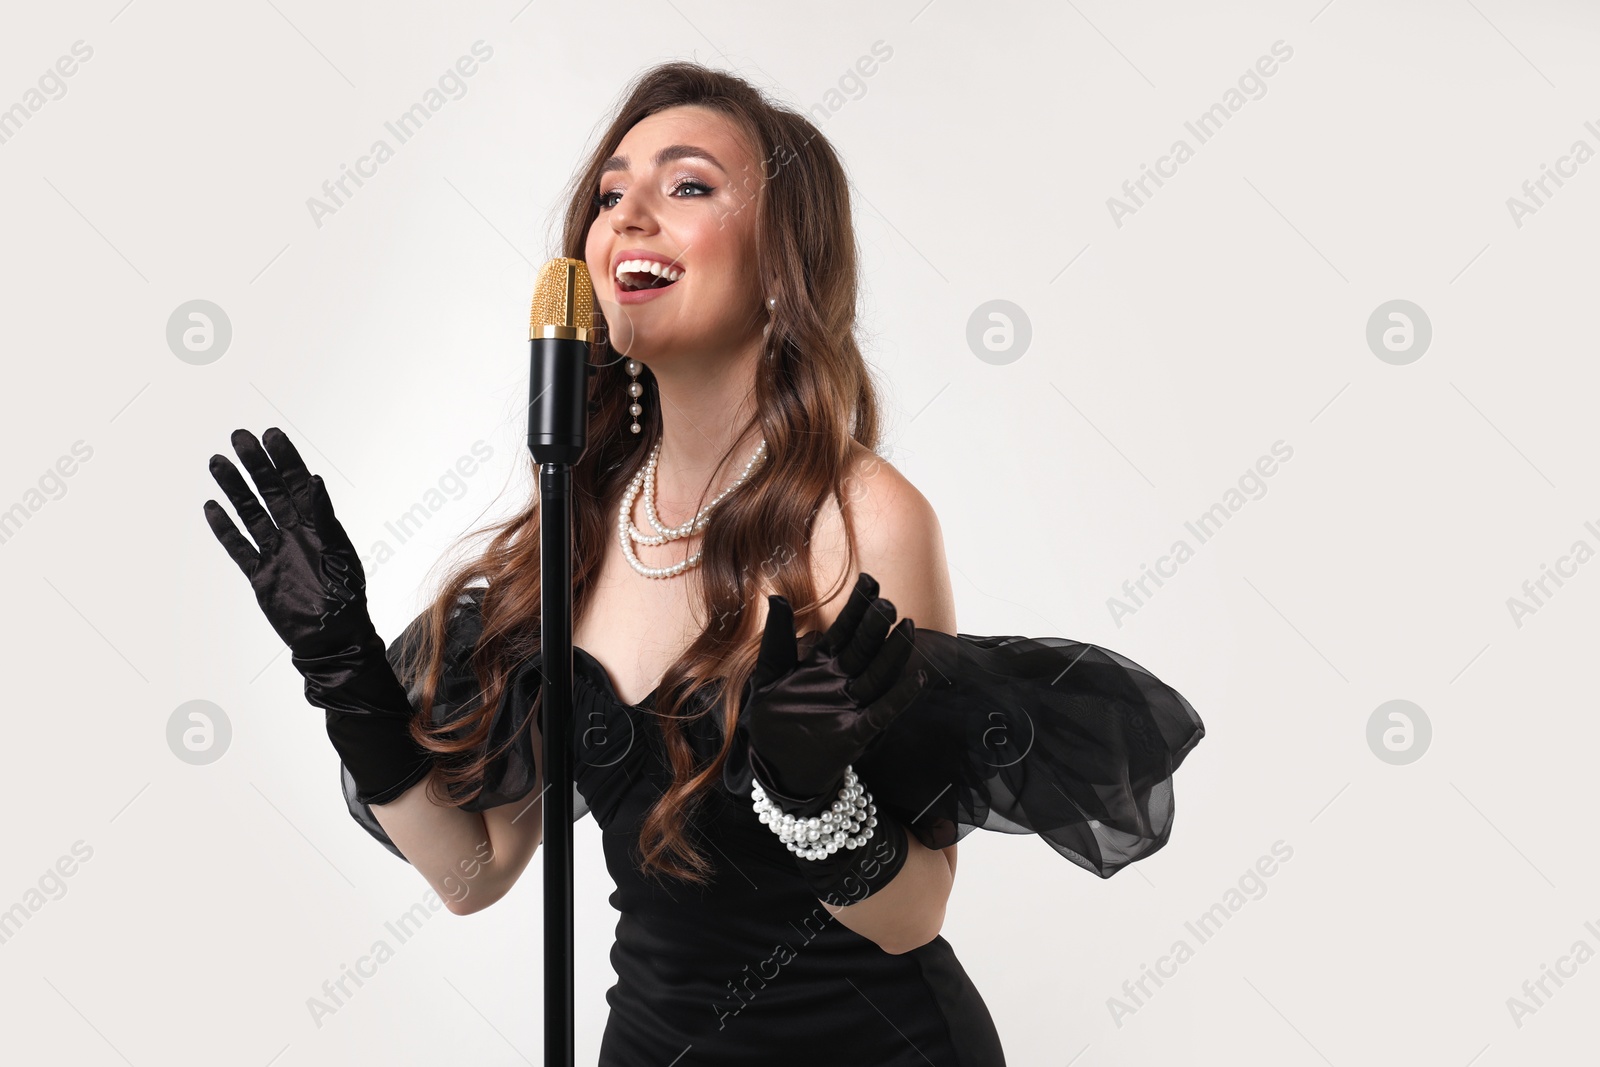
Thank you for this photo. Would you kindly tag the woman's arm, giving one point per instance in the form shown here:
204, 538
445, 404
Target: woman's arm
471, 859
909, 911
899, 542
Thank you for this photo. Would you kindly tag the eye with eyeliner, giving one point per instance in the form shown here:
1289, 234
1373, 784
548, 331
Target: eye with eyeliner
600, 199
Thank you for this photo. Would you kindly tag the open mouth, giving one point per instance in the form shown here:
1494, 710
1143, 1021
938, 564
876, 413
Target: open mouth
635, 274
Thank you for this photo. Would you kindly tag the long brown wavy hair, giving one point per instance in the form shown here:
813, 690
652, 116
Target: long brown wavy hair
813, 394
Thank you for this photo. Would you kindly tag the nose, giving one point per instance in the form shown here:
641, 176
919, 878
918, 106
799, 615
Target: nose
634, 212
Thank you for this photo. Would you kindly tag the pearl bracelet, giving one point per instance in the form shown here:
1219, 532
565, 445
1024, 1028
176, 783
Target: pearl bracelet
822, 835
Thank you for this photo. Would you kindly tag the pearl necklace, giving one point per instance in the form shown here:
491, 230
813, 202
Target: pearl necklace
645, 481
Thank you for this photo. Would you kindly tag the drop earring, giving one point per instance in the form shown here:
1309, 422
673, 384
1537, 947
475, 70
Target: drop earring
635, 390
772, 305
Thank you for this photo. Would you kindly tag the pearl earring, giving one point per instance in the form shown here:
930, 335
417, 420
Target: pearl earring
635, 390
772, 305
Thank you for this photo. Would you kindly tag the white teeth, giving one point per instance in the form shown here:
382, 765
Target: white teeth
660, 270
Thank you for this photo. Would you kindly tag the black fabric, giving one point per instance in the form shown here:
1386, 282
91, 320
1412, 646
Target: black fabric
1063, 739
1049, 736
1045, 736
511, 773
848, 876
798, 806
367, 713
309, 583
305, 572
811, 713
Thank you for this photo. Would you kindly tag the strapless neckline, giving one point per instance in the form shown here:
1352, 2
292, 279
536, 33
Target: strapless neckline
588, 668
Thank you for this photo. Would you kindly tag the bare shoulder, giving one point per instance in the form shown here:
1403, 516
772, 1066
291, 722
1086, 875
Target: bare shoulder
898, 541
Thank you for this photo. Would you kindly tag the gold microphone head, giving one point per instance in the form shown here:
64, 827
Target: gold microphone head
563, 301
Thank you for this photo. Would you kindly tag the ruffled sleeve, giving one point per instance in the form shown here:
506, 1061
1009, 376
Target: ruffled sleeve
1032, 735
509, 776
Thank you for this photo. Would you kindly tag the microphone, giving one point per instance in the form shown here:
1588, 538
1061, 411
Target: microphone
560, 324
559, 328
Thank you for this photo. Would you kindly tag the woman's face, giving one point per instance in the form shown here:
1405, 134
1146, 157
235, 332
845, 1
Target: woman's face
681, 191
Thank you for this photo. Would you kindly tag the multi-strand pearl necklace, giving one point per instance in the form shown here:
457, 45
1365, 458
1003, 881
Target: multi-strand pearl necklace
645, 481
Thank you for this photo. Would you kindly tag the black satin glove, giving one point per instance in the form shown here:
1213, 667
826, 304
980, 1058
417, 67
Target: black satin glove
814, 706
309, 583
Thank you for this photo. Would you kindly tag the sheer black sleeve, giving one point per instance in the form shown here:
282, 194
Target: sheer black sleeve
510, 775
1031, 735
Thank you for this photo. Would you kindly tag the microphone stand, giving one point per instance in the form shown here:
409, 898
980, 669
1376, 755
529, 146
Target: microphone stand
557, 433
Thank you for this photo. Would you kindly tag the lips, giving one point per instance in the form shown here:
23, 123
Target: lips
637, 269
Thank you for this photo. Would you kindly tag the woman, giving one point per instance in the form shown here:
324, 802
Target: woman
732, 398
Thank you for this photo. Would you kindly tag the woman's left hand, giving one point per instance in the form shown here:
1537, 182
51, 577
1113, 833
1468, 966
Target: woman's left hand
815, 705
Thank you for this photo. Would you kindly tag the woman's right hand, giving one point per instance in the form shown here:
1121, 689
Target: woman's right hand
303, 567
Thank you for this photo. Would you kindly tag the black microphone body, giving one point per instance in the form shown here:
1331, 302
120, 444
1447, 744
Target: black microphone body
558, 379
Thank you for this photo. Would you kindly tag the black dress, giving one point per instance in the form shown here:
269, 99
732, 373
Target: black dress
1045, 736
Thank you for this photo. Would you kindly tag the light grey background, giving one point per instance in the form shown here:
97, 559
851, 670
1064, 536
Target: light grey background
1168, 353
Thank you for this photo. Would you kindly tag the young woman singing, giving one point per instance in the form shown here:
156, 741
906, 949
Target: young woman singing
779, 812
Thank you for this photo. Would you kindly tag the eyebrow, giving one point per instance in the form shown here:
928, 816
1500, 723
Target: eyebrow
666, 155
